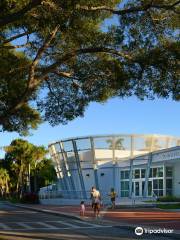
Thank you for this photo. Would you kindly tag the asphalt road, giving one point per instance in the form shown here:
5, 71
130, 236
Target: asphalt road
20, 224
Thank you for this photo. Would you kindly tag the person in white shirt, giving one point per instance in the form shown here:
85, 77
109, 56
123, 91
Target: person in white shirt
96, 201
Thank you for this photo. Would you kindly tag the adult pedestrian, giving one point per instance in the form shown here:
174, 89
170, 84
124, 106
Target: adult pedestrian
96, 201
113, 196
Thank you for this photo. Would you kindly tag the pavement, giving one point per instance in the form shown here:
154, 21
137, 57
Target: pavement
22, 223
151, 218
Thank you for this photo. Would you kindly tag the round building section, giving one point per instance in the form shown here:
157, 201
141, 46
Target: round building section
128, 163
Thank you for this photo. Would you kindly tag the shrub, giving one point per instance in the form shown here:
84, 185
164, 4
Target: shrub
30, 198
169, 199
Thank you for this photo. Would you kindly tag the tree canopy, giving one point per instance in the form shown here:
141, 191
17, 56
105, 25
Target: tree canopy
21, 159
4, 181
58, 56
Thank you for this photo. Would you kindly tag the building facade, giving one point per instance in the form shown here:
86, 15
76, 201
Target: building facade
134, 165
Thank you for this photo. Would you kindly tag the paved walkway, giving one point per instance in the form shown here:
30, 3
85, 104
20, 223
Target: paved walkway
151, 217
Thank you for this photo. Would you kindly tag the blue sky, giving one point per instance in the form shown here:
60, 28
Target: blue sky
115, 116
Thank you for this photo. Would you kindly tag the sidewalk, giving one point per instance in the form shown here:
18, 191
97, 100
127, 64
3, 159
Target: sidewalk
131, 218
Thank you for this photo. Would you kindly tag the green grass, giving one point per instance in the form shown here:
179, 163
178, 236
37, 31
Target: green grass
169, 206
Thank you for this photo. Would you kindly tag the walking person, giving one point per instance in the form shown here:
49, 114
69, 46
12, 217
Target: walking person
113, 196
96, 201
92, 196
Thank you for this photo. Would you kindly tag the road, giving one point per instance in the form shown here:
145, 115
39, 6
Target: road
19, 224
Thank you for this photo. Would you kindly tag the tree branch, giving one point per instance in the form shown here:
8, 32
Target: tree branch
16, 36
10, 18
15, 46
32, 81
69, 76
64, 74
68, 56
51, 91
38, 57
142, 8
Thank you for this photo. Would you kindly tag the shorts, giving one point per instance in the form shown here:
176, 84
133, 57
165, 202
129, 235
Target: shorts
96, 206
112, 199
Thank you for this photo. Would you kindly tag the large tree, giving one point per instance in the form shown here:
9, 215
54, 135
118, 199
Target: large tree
57, 56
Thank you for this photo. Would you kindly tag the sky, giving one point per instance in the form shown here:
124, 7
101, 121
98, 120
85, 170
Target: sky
116, 116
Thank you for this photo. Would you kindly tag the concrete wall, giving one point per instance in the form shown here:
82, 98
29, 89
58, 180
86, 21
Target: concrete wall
176, 179
105, 177
62, 201
88, 176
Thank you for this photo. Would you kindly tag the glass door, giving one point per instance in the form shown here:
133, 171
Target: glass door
150, 188
142, 188
137, 189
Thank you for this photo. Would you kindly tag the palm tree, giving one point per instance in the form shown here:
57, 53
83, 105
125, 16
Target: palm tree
4, 181
151, 144
118, 144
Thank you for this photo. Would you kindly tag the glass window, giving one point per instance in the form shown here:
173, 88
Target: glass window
155, 184
160, 172
168, 171
155, 192
160, 193
169, 183
83, 144
160, 183
125, 185
154, 172
103, 143
57, 147
168, 192
126, 174
137, 173
68, 146
143, 173
150, 173
124, 194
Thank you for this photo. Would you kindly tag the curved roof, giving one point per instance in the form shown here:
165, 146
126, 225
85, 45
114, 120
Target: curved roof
116, 135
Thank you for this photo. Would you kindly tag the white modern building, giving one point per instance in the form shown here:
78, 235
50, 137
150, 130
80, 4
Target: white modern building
134, 165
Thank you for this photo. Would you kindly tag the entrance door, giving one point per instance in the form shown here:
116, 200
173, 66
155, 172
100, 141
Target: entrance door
138, 188
150, 188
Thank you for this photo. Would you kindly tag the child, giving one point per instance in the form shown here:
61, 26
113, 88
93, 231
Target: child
82, 209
